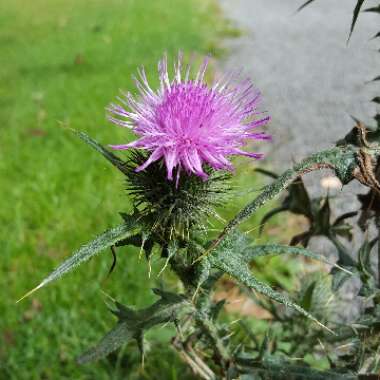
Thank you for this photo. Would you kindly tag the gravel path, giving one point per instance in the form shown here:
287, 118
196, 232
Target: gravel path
311, 83
310, 79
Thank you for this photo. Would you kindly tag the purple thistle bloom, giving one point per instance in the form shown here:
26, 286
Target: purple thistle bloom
188, 123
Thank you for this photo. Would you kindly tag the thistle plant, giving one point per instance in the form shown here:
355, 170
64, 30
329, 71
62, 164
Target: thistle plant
177, 172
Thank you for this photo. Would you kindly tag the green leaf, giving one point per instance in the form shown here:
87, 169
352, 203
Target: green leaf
235, 265
277, 249
118, 336
84, 253
376, 99
112, 158
133, 323
279, 368
355, 16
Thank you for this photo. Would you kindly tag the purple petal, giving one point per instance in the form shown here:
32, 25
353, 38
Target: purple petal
156, 155
170, 161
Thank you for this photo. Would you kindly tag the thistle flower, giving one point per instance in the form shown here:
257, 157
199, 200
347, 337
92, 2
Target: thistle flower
189, 124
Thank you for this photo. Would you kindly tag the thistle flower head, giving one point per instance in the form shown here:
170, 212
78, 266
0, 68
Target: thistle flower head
189, 124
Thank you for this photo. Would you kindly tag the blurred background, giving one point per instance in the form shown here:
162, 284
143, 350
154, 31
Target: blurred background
61, 64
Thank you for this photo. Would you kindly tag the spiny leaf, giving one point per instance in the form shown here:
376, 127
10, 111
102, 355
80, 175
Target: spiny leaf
112, 158
355, 16
278, 249
84, 253
278, 368
118, 336
133, 323
341, 159
304, 5
236, 266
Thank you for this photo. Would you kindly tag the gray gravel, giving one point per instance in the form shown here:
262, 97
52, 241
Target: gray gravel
310, 79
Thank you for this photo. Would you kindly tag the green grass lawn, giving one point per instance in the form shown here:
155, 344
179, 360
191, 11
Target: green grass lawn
61, 63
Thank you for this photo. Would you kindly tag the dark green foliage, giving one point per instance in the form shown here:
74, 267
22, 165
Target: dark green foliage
277, 368
230, 258
84, 253
362, 338
133, 323
318, 214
